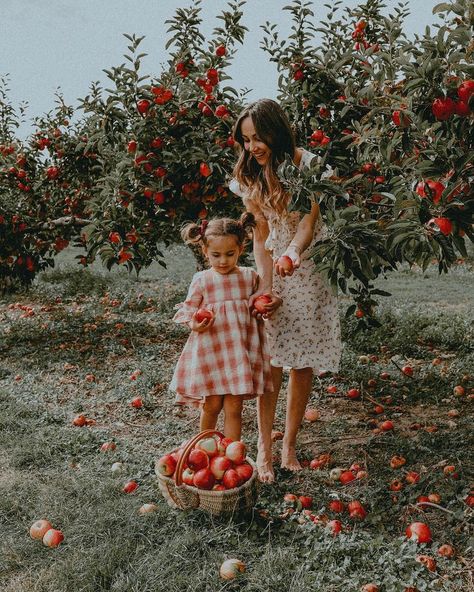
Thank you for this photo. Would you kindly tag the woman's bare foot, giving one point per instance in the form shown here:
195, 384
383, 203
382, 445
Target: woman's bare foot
265, 467
289, 460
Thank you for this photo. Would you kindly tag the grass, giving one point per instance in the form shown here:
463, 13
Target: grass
75, 349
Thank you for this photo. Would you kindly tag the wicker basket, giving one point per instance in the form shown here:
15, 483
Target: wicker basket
185, 497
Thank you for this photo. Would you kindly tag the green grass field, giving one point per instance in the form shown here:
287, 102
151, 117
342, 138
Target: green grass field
72, 344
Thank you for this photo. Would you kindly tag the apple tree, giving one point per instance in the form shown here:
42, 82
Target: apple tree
391, 119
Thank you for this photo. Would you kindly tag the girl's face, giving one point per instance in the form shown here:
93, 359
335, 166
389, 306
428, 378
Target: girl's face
223, 252
253, 144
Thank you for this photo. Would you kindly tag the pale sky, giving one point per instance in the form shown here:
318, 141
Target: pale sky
46, 44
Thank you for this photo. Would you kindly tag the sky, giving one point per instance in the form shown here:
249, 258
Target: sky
51, 44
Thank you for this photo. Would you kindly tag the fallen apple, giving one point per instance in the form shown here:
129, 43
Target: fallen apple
419, 532
231, 568
39, 528
53, 538
147, 509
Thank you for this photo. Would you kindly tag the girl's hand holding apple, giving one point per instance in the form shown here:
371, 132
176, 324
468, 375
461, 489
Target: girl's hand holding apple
202, 320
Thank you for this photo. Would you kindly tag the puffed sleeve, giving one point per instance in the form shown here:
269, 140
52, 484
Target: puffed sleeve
237, 188
193, 300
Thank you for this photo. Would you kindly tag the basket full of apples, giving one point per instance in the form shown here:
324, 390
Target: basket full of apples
209, 472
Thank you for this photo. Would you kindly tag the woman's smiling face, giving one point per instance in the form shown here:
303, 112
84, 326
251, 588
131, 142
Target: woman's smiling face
253, 144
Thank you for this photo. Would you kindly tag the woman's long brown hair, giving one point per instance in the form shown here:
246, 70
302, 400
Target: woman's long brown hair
273, 128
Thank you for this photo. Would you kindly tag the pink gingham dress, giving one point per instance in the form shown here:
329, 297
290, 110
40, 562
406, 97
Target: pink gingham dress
232, 356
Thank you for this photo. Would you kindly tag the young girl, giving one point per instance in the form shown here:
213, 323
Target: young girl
303, 321
225, 359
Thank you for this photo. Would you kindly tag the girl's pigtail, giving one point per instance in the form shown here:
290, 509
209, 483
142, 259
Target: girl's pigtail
248, 223
191, 233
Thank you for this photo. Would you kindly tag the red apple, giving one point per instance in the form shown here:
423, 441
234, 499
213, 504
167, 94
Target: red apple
397, 461
108, 446
387, 425
231, 479
466, 90
356, 510
197, 460
130, 487
202, 314
412, 477
260, 303
443, 108
427, 561
370, 588
39, 528
219, 465
52, 538
231, 568
204, 479
79, 421
353, 393
285, 263
209, 446
346, 477
188, 476
221, 50
419, 532
459, 390
446, 551
143, 106
407, 370
147, 509
444, 224
312, 415
332, 388
166, 465
222, 445
244, 471
204, 169
335, 526
306, 501
337, 506
236, 452
219, 487
430, 188
136, 402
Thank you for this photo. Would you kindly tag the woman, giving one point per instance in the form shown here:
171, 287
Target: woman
302, 317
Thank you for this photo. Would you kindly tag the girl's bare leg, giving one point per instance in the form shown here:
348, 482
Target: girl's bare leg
266, 407
233, 416
210, 412
299, 389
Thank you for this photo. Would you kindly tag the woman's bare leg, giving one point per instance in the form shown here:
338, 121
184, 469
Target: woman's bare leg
266, 408
233, 416
299, 389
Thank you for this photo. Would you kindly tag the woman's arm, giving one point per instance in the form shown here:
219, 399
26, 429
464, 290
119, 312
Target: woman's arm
263, 259
301, 241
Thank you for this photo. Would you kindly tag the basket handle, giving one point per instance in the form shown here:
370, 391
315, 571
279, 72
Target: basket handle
178, 474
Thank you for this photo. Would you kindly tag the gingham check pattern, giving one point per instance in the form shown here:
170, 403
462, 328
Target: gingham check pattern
230, 358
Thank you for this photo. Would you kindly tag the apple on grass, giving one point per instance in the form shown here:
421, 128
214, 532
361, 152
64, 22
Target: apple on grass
147, 509
231, 568
39, 528
52, 538
419, 532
